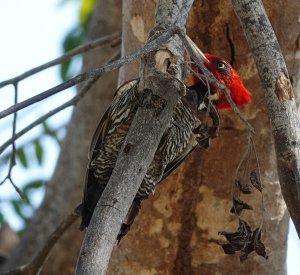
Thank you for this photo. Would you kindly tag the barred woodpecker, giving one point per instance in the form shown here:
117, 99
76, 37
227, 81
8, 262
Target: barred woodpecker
184, 133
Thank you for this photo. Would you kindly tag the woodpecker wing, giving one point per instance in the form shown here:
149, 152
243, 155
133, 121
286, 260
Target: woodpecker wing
193, 99
90, 185
173, 165
92, 192
105, 120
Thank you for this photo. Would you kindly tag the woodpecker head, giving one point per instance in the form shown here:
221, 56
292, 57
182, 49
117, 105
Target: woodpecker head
224, 73
228, 76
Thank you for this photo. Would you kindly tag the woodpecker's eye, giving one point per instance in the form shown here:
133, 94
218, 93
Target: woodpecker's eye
221, 66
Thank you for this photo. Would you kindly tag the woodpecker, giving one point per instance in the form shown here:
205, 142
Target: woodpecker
182, 136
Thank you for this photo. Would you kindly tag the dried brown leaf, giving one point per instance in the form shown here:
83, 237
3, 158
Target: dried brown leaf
244, 240
255, 245
228, 249
244, 188
259, 247
239, 206
239, 239
255, 181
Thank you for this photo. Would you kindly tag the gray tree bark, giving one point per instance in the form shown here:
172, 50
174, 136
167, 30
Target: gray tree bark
279, 97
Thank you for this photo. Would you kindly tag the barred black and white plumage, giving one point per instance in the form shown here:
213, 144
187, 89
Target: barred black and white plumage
177, 142
184, 133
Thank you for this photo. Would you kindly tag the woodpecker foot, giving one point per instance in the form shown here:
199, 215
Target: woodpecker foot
202, 135
132, 213
123, 231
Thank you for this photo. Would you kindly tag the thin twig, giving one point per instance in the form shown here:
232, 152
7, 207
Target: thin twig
149, 47
263, 210
81, 49
35, 267
12, 161
5, 156
85, 88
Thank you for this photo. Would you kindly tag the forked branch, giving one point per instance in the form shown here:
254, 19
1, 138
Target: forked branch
82, 92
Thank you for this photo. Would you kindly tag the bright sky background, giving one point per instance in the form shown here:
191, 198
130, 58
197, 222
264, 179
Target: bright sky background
31, 33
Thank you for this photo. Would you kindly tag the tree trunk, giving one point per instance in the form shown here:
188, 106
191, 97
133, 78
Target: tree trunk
64, 191
177, 228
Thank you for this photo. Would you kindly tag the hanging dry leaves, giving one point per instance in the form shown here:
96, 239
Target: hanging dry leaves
255, 182
239, 206
244, 240
243, 188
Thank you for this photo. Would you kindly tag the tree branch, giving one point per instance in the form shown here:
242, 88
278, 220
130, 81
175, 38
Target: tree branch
84, 48
38, 261
4, 157
98, 72
141, 142
12, 161
84, 89
279, 98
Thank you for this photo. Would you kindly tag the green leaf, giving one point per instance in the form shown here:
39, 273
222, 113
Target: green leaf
64, 70
33, 185
48, 131
22, 157
18, 209
2, 220
72, 40
46, 127
39, 152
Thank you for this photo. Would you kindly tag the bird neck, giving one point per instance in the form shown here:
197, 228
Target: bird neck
200, 94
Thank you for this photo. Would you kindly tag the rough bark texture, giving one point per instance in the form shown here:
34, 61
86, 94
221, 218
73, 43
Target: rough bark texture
175, 231
279, 97
141, 142
65, 189
135, 27
177, 228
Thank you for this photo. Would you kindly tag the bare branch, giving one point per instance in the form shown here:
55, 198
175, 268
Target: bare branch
81, 49
279, 95
35, 267
12, 161
85, 88
98, 72
141, 141
5, 156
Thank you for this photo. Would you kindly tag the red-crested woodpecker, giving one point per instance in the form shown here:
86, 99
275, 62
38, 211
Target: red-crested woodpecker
182, 136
